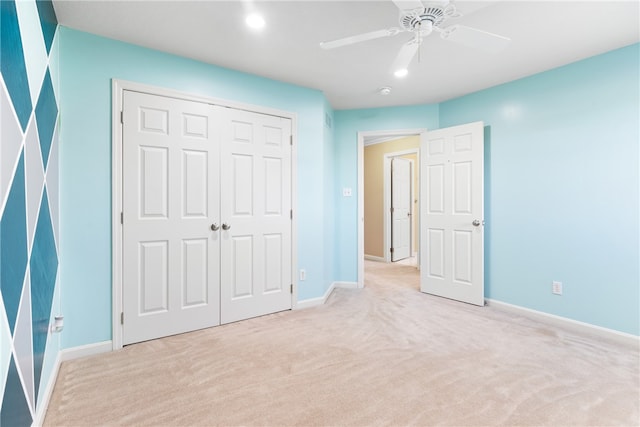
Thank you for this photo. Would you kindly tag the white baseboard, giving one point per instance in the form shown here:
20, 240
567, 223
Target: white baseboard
374, 258
313, 302
63, 356
86, 350
566, 323
346, 285
41, 412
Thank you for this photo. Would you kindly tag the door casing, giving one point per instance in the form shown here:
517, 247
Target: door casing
117, 88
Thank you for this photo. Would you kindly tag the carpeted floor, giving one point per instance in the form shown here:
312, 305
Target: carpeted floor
382, 355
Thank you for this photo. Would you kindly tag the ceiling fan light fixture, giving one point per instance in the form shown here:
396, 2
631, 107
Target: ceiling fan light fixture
255, 21
400, 73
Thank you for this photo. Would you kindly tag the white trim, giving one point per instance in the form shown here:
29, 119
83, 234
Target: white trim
63, 356
311, 302
41, 412
86, 350
118, 88
380, 136
374, 258
362, 136
360, 213
314, 302
346, 285
570, 324
294, 208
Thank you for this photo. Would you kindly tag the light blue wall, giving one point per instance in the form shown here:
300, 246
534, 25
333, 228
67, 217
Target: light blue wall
559, 145
88, 63
563, 188
347, 125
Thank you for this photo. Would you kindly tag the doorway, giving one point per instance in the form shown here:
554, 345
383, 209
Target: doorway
452, 197
384, 145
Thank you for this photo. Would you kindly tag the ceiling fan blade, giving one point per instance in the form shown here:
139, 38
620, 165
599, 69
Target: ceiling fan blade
408, 4
360, 38
406, 54
475, 38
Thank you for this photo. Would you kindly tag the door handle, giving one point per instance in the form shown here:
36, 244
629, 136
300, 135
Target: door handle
476, 223
215, 227
226, 226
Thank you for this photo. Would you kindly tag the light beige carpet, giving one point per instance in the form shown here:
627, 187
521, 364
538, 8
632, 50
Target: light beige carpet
382, 355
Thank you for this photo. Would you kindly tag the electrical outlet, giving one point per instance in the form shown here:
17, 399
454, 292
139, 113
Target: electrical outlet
556, 288
303, 274
346, 192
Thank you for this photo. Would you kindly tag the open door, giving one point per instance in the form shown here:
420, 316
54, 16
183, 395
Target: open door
400, 208
452, 226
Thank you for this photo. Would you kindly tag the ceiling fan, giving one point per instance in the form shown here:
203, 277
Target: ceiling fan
421, 20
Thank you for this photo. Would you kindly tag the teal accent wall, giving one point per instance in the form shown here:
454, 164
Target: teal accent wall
29, 238
347, 125
562, 188
88, 63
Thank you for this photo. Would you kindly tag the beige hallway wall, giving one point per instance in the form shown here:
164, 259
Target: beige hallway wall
374, 192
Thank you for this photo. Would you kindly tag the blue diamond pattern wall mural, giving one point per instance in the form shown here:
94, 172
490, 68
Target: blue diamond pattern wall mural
28, 205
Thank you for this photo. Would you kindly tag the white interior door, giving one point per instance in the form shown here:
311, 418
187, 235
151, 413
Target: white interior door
452, 197
256, 214
171, 256
400, 208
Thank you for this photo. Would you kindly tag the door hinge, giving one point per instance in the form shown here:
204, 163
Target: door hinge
121, 218
391, 250
291, 214
291, 288
290, 139
391, 210
121, 116
122, 317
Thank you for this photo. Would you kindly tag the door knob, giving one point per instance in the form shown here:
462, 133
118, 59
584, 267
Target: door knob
215, 227
226, 226
475, 222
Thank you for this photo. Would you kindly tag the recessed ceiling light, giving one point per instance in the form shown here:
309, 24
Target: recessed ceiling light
401, 73
255, 21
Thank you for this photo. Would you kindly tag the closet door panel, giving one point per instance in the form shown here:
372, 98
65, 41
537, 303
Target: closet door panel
171, 257
255, 207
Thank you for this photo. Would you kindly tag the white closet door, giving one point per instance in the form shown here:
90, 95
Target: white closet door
400, 208
171, 256
255, 208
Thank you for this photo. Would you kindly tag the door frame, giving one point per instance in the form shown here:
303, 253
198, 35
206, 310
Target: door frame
386, 226
364, 136
117, 104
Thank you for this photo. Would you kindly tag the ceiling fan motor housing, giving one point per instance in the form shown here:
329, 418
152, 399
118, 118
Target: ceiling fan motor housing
423, 19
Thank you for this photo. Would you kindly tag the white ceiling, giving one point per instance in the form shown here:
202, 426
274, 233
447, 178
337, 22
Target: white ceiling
544, 34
